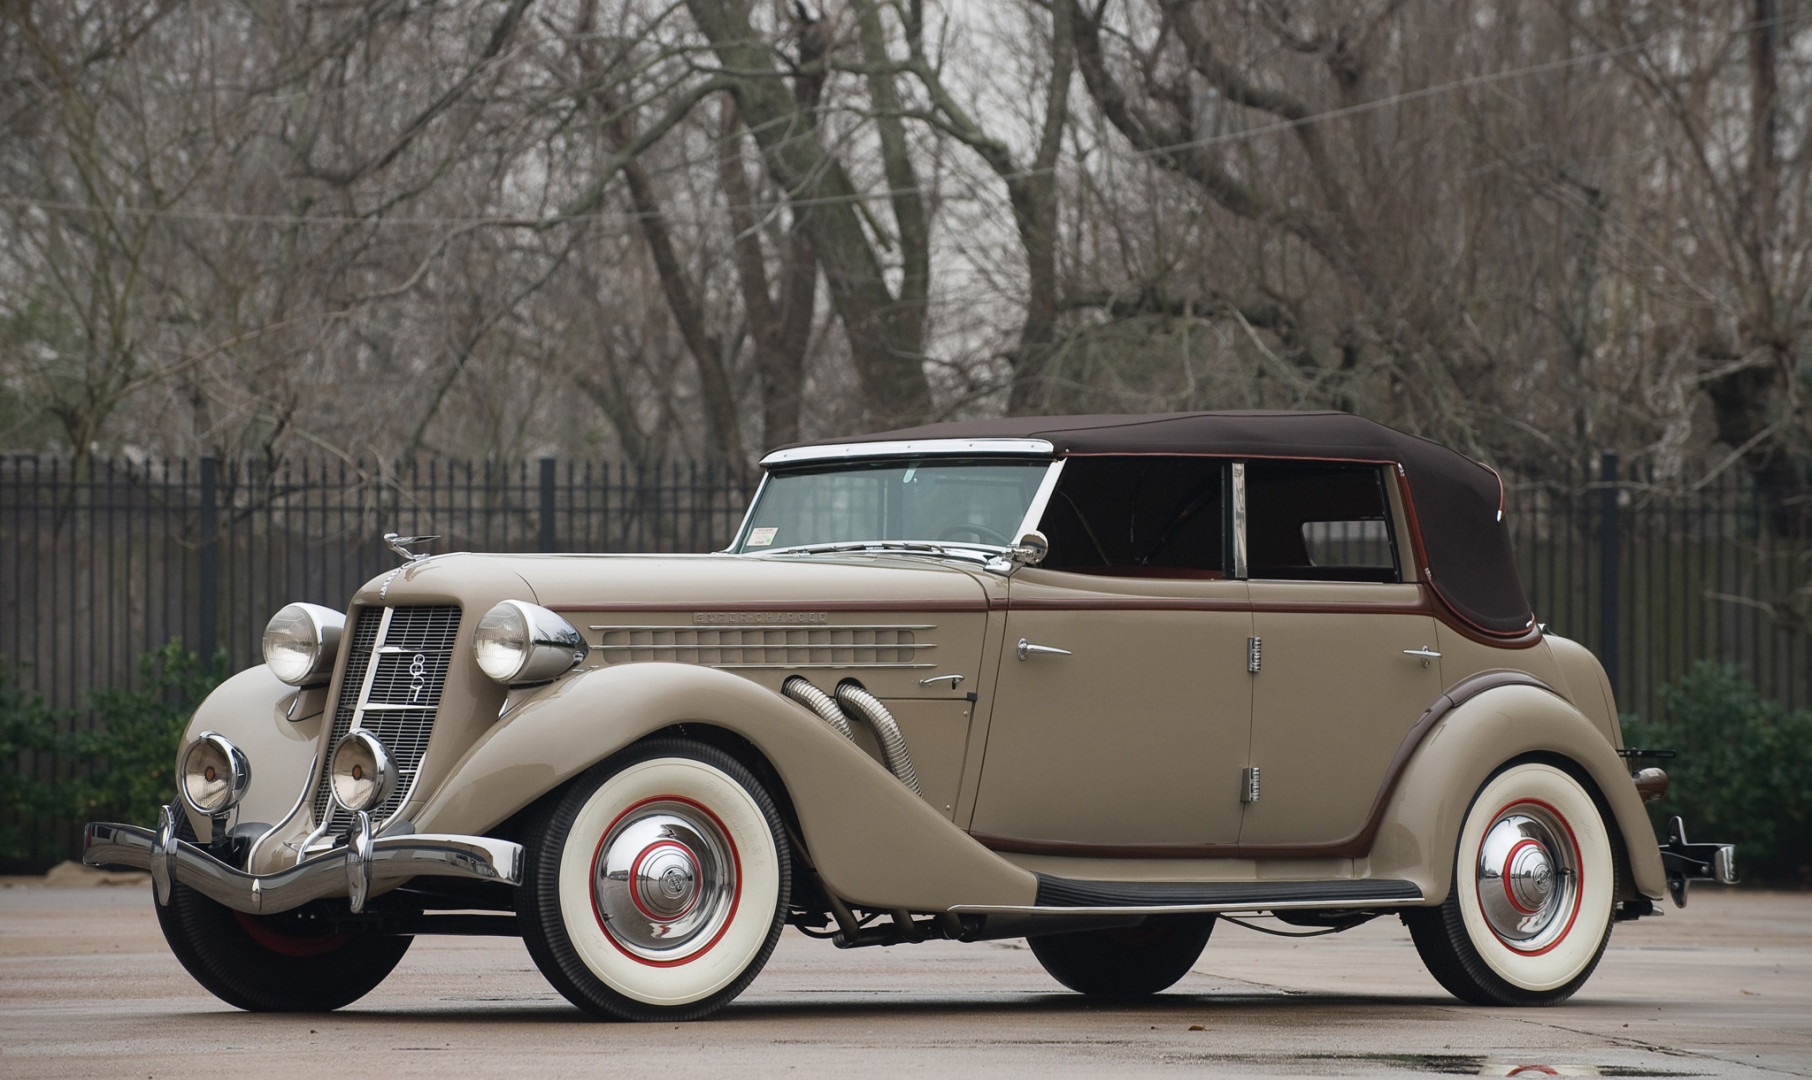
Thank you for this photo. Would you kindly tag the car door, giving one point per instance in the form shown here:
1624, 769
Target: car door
1348, 651
1122, 707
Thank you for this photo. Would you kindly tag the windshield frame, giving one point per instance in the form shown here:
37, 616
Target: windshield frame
962, 449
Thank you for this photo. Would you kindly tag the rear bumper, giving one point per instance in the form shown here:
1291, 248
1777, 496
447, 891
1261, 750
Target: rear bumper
355, 870
1688, 862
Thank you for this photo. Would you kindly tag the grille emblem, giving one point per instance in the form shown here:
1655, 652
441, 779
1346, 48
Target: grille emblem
418, 677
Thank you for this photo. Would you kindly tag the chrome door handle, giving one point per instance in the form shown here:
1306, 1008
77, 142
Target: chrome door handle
954, 680
1425, 654
1026, 649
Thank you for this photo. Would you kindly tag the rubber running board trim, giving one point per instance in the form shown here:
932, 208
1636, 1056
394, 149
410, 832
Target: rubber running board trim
1057, 892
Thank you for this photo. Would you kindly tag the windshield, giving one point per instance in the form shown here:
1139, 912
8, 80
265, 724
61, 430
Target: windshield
932, 499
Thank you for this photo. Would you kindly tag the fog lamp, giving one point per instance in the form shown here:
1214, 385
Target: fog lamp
214, 774
363, 775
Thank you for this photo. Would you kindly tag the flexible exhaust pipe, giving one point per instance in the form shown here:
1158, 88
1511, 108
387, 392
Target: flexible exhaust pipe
852, 696
801, 689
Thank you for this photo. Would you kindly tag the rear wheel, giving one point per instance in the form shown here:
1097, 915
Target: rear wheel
656, 886
1125, 962
289, 962
1534, 883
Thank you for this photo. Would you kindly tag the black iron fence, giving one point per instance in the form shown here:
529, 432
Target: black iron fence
101, 563
1655, 576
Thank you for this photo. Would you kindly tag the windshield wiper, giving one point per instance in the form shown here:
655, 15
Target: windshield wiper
890, 547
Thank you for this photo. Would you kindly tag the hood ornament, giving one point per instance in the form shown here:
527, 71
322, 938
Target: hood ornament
400, 545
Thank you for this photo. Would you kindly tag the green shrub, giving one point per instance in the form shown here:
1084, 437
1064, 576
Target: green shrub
130, 752
121, 768
1743, 770
27, 727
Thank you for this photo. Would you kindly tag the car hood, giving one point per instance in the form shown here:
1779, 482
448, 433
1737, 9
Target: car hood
676, 582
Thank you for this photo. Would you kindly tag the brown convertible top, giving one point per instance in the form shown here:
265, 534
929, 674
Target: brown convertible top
1458, 502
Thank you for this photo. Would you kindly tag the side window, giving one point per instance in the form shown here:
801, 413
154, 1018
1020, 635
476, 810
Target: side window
1319, 522
1138, 516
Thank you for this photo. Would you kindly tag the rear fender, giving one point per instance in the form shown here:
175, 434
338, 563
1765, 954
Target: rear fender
1421, 824
872, 841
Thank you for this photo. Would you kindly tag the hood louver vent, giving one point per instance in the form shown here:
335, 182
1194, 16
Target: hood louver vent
779, 646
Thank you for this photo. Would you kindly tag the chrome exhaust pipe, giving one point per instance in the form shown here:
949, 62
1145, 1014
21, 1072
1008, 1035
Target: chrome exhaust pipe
854, 697
800, 689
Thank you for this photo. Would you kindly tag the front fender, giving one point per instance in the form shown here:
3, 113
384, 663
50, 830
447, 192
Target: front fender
279, 729
1421, 825
872, 841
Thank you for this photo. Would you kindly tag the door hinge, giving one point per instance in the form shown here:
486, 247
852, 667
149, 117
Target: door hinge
1248, 784
1253, 658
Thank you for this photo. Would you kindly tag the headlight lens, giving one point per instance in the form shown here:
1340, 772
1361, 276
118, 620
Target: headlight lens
300, 642
214, 774
518, 643
363, 775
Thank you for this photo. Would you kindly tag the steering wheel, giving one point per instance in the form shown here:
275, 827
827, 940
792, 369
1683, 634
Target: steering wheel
973, 529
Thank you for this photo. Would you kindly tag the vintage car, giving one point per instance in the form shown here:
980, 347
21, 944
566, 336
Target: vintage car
1091, 681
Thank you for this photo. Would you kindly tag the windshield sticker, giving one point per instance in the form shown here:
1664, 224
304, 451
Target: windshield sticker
762, 537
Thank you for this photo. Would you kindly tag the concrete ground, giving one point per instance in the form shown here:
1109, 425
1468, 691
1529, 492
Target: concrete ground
1723, 988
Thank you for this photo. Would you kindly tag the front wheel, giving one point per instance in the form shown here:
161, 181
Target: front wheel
656, 885
288, 962
1125, 962
1534, 884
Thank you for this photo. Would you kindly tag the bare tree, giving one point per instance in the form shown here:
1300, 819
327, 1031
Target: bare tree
502, 228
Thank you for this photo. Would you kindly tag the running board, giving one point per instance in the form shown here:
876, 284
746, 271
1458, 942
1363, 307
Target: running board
1066, 896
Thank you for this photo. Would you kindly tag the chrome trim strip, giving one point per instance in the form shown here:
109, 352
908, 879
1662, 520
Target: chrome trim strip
762, 646
378, 706
371, 670
1410, 896
849, 451
821, 667
392, 859
748, 516
251, 856
696, 627
1239, 520
321, 828
1040, 499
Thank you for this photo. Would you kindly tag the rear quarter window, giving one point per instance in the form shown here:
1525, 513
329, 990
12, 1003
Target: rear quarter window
1319, 522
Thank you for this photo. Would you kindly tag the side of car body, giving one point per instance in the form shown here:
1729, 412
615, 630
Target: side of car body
1093, 681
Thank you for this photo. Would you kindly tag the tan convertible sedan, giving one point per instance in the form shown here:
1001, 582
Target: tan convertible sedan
1091, 681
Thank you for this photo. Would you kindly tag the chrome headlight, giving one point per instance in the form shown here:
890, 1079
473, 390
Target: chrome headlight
363, 775
214, 775
300, 642
518, 643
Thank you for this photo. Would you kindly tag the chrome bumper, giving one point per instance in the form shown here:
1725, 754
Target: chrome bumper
353, 871
1687, 862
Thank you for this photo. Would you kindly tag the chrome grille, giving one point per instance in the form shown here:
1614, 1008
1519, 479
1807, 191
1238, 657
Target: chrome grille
768, 646
405, 663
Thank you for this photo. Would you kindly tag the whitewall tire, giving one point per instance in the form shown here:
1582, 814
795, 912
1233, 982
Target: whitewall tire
656, 885
1534, 888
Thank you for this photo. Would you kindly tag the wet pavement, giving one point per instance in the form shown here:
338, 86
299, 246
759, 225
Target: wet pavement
1723, 988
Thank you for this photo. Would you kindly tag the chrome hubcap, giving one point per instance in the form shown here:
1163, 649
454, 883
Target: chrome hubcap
664, 880
1528, 877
